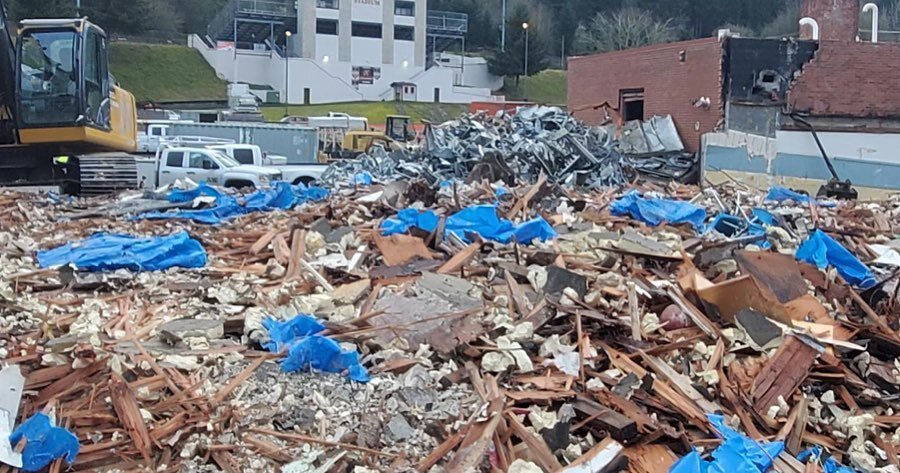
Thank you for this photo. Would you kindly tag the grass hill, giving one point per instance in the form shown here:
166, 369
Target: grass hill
164, 72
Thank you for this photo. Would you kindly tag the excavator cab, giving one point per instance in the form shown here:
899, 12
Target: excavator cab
62, 81
400, 128
63, 120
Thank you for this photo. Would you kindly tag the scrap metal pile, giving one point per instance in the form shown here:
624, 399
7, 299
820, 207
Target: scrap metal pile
534, 141
407, 327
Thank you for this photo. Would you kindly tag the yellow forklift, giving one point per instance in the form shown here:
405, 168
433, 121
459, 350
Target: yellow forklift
63, 120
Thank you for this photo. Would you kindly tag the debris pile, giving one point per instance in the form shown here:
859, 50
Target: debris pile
509, 148
470, 327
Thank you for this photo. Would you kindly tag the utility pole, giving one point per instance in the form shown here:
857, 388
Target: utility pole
503, 29
77, 8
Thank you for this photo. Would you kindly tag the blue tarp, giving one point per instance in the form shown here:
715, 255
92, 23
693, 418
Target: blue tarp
781, 194
737, 454
482, 220
656, 211
737, 227
281, 196
362, 179
306, 349
44, 443
831, 465
109, 252
822, 251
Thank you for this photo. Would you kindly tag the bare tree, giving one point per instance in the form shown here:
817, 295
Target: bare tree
623, 29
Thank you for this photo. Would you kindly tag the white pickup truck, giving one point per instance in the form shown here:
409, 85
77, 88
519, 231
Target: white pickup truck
253, 155
202, 165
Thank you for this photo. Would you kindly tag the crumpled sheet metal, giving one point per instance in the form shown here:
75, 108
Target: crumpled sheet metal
536, 140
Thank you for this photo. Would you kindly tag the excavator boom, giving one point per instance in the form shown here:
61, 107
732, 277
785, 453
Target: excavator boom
7, 80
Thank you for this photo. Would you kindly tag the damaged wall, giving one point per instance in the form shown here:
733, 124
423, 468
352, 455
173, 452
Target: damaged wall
867, 159
674, 76
849, 79
757, 76
761, 70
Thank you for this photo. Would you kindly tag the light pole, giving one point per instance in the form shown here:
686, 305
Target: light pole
503, 29
77, 8
525, 27
287, 71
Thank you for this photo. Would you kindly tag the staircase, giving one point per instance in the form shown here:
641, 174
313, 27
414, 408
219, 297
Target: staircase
256, 21
444, 30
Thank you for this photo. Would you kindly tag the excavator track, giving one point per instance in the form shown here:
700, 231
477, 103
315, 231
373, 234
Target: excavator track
106, 173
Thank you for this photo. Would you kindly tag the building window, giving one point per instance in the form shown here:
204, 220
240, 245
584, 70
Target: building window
631, 103
405, 8
324, 26
366, 30
404, 33
332, 4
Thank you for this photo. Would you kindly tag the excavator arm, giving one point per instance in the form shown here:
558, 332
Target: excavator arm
7, 80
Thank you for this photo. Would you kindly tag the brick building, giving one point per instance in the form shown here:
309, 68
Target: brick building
657, 80
732, 99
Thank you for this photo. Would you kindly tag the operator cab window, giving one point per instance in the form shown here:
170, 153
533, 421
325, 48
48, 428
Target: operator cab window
175, 160
49, 79
156, 132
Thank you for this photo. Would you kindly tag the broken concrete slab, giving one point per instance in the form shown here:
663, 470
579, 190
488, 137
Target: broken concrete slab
175, 331
351, 293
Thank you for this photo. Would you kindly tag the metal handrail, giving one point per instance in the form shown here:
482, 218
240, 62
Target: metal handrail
266, 7
448, 21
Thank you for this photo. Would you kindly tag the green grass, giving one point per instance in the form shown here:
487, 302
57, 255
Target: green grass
548, 87
376, 112
164, 72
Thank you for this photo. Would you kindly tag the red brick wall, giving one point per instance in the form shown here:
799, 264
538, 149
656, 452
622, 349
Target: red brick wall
670, 86
849, 79
838, 19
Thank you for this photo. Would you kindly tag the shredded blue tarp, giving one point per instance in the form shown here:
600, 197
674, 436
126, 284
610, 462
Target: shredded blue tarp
482, 220
306, 349
362, 179
823, 251
737, 227
831, 465
109, 252
781, 194
654, 211
44, 443
281, 196
737, 454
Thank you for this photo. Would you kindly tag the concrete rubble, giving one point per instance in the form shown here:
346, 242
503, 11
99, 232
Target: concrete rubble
607, 348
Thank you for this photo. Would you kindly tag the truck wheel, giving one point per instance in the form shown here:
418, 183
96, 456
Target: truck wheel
240, 184
305, 180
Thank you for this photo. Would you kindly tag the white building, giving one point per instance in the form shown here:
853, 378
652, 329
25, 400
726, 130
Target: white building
346, 50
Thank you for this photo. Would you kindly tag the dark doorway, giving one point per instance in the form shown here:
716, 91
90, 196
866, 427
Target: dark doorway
306, 96
631, 103
437, 95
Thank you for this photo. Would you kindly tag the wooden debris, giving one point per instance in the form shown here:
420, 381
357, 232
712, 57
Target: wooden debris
783, 374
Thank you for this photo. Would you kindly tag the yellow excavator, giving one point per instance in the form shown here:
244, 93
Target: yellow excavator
63, 120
